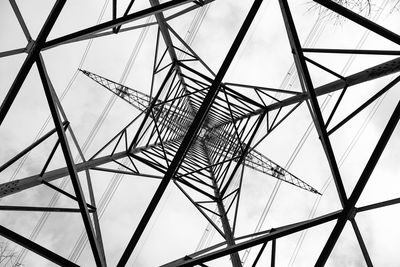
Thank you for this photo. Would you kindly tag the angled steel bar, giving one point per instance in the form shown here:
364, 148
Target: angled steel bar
353, 51
50, 157
155, 61
21, 20
324, 68
119, 21
126, 29
12, 52
213, 247
30, 59
126, 172
29, 148
128, 8
259, 254
273, 253
307, 86
99, 259
269, 236
196, 188
238, 201
88, 180
364, 105
100, 34
379, 205
95, 215
361, 243
263, 88
191, 133
34, 247
339, 100
15, 186
349, 208
372, 26
114, 13
59, 190
40, 209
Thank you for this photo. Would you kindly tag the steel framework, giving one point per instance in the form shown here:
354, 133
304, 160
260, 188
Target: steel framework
196, 131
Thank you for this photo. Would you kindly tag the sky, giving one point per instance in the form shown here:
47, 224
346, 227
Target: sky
264, 59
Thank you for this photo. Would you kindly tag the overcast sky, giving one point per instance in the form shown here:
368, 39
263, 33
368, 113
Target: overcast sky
264, 59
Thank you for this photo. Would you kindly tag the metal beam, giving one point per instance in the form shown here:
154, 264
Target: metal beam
12, 52
273, 253
379, 205
307, 86
19, 185
259, 254
97, 253
277, 233
15, 186
119, 21
34, 247
353, 51
361, 243
20, 20
40, 209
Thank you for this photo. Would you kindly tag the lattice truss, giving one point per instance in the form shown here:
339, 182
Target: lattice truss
195, 130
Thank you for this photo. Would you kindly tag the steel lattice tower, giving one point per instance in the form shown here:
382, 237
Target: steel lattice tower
196, 131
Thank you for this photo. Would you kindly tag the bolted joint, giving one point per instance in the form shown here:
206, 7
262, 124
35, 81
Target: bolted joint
29, 47
352, 213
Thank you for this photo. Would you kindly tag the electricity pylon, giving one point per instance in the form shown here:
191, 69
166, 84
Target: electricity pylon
218, 145
196, 131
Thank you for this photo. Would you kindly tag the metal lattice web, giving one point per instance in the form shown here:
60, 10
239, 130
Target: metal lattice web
196, 131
